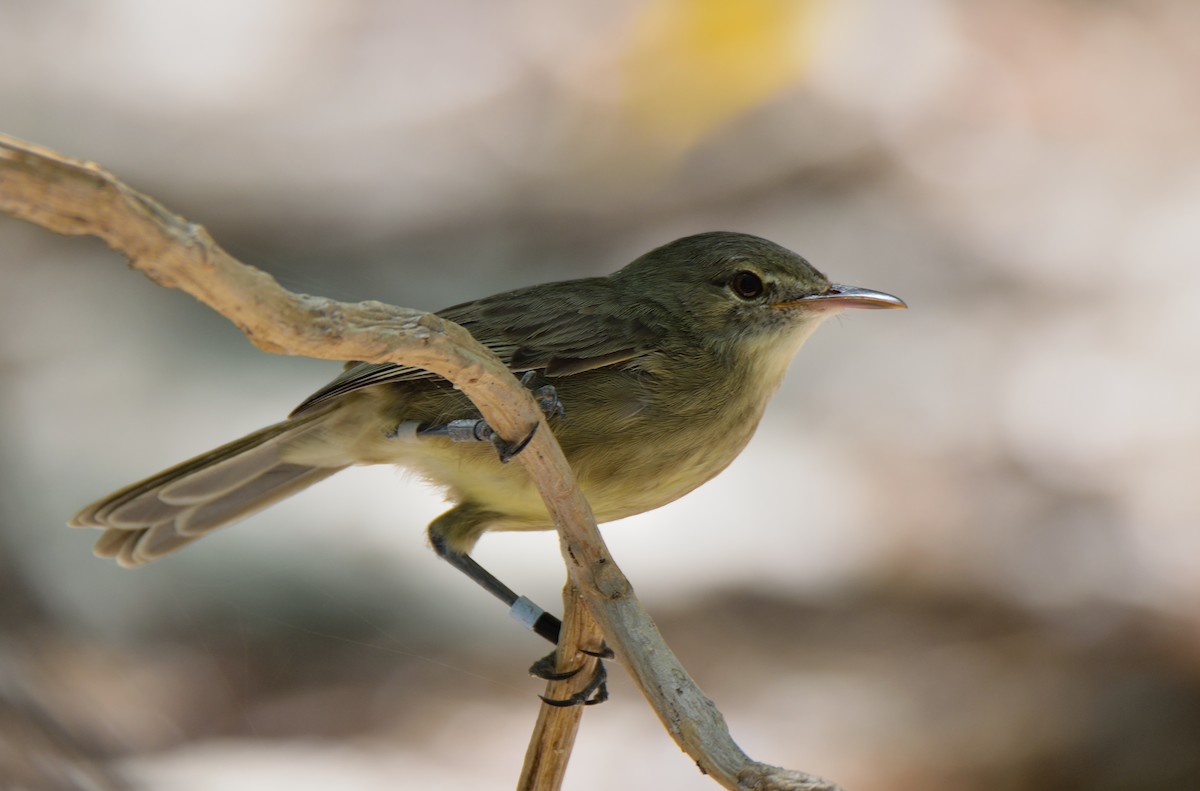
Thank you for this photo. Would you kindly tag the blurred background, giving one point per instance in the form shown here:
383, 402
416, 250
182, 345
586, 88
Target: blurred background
963, 551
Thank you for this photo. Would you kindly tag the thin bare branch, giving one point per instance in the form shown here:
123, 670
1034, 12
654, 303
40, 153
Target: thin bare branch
79, 198
554, 733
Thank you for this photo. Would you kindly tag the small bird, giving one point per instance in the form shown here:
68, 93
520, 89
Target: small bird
653, 380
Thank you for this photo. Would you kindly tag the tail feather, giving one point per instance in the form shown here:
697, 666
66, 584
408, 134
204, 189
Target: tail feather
151, 518
121, 507
222, 477
275, 484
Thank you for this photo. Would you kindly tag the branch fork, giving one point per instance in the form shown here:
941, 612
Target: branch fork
73, 197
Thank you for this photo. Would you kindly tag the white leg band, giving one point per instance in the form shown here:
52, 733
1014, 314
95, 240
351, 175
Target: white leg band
525, 612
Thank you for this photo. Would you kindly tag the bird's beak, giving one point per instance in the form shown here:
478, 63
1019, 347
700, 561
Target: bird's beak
839, 297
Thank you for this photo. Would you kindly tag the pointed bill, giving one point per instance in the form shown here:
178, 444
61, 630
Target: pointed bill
839, 297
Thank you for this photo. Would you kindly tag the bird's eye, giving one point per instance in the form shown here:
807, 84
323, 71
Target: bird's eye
746, 285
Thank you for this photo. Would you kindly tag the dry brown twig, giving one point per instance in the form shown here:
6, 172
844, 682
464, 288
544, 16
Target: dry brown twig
79, 198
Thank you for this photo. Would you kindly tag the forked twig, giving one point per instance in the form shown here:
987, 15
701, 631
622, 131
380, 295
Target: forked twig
79, 198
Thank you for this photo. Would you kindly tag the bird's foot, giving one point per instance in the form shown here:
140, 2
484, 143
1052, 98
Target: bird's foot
478, 430
596, 689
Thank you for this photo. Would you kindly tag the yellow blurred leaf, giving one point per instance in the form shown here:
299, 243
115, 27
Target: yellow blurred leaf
693, 65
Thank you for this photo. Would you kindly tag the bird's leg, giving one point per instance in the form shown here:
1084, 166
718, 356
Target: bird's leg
477, 429
464, 520
521, 608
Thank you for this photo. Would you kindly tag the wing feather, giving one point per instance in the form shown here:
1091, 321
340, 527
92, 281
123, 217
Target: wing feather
560, 329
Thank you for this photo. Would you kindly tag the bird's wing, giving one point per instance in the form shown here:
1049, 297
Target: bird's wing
560, 329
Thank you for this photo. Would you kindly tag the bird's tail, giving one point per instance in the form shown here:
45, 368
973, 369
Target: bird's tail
151, 518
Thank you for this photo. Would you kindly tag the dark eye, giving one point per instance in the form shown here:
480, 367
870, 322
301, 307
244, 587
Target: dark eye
746, 285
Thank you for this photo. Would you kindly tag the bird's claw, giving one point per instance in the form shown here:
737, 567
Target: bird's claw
604, 653
478, 430
507, 451
546, 397
544, 669
596, 690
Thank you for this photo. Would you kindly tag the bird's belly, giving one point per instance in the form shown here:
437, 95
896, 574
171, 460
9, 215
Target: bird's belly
621, 469
638, 480
622, 480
